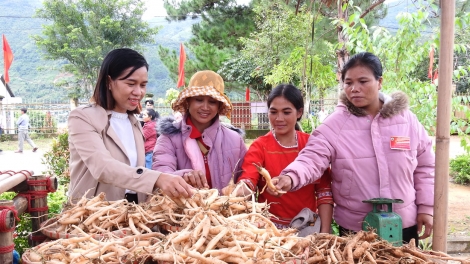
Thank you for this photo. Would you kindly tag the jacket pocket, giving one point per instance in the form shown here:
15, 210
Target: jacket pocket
407, 161
411, 155
346, 183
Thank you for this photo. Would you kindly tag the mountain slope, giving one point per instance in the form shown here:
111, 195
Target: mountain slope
32, 77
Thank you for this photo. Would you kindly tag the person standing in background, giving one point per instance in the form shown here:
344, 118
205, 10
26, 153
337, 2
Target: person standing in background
322, 114
149, 104
150, 134
23, 127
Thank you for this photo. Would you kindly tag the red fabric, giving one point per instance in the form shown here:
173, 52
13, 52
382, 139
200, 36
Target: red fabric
247, 94
181, 66
7, 58
431, 62
150, 134
268, 153
196, 134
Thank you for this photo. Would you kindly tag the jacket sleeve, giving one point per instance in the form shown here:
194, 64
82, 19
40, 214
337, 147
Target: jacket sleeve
89, 146
323, 190
250, 174
424, 172
164, 157
18, 122
312, 161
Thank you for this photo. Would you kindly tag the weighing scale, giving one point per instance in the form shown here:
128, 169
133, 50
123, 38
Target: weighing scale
387, 224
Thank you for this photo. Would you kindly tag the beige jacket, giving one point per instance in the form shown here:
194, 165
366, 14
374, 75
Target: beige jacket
98, 161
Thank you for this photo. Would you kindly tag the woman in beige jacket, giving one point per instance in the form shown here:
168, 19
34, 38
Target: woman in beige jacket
105, 139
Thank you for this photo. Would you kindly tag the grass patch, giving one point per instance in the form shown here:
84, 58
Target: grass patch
12, 145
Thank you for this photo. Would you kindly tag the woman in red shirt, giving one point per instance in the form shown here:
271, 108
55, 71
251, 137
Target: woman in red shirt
277, 149
150, 134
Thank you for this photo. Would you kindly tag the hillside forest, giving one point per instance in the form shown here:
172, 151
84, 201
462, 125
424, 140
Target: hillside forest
34, 77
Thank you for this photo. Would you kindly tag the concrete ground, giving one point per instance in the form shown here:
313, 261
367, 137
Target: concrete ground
27, 160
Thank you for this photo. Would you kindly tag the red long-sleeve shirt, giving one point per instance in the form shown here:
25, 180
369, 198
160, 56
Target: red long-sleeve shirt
150, 135
266, 152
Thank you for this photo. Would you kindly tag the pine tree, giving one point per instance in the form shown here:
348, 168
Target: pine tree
215, 37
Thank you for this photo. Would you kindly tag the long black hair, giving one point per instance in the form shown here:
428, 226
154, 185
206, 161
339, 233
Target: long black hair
292, 94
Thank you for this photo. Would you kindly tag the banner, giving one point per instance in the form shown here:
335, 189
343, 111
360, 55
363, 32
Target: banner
431, 62
181, 67
7, 58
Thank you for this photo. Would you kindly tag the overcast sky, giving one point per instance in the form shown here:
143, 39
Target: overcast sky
155, 8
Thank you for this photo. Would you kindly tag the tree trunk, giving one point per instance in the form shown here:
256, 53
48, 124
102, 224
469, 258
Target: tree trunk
342, 54
308, 92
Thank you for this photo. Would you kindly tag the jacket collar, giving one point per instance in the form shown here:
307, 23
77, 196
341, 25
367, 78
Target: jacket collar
103, 121
104, 115
393, 104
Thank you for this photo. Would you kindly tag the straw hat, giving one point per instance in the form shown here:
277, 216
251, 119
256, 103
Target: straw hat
204, 83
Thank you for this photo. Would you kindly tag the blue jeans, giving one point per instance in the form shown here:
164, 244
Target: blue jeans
148, 160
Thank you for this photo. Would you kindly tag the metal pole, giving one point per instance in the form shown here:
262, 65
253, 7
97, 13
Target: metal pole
444, 97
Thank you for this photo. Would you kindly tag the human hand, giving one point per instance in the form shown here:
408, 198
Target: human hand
174, 186
282, 183
196, 179
426, 221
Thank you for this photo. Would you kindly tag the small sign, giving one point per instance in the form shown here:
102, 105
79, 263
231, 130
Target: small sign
400, 143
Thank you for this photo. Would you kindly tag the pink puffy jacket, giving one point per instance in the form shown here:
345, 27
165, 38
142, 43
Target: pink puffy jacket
175, 154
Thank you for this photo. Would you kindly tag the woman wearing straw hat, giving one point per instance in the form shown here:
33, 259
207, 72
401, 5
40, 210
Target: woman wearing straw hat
201, 149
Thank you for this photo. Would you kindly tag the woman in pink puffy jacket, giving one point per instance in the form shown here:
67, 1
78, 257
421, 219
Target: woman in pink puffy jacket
377, 148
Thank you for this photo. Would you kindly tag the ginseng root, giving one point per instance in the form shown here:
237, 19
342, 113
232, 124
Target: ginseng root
267, 178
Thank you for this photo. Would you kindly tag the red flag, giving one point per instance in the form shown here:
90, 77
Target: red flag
431, 61
247, 94
181, 67
7, 58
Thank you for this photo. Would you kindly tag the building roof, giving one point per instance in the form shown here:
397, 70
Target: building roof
7, 86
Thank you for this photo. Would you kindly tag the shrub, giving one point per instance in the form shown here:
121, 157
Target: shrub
24, 228
306, 125
57, 159
460, 169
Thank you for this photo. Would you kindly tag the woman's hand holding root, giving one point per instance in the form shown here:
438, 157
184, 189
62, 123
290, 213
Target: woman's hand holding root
282, 183
174, 186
